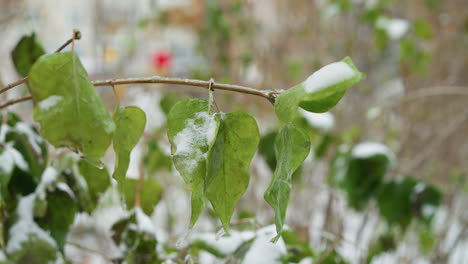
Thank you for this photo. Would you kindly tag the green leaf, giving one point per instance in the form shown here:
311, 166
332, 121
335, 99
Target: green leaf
150, 194
368, 164
228, 163
394, 202
59, 215
291, 147
25, 53
422, 29
68, 107
400, 201
266, 148
34, 250
130, 124
139, 245
155, 158
320, 92
97, 181
191, 131
384, 243
167, 102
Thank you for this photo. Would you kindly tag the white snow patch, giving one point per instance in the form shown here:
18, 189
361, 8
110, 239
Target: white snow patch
63, 187
49, 102
395, 27
428, 210
3, 131
33, 138
11, 157
225, 244
307, 260
262, 250
144, 222
322, 121
328, 75
25, 227
199, 131
48, 177
368, 149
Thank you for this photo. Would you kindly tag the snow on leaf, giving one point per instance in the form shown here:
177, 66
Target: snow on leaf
191, 131
67, 106
26, 228
327, 76
368, 149
320, 92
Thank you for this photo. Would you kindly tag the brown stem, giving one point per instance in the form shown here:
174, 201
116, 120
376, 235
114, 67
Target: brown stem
76, 35
18, 100
270, 95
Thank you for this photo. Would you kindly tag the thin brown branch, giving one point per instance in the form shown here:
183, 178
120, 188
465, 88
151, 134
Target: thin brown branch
76, 35
18, 100
14, 84
270, 95
267, 94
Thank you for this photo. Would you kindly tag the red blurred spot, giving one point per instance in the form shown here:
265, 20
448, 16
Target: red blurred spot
161, 60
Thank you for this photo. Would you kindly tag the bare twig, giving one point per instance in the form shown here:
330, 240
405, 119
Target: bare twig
270, 95
76, 35
18, 100
14, 84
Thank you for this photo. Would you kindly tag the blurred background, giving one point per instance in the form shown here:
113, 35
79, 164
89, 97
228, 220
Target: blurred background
413, 100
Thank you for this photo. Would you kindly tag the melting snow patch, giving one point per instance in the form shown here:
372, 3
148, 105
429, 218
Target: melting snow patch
48, 177
226, 244
262, 250
428, 210
199, 131
328, 75
395, 27
368, 149
144, 222
33, 138
11, 157
321, 121
49, 102
25, 227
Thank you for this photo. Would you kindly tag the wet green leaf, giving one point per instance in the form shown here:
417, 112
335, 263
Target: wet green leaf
130, 124
291, 147
191, 131
59, 215
228, 163
25, 53
150, 194
320, 92
68, 107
